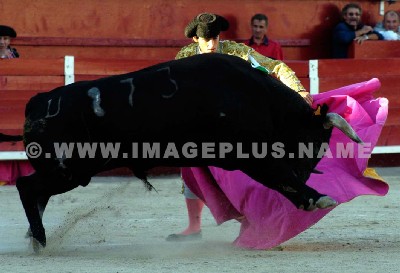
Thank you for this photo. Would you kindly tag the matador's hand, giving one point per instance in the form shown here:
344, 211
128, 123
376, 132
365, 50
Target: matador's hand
306, 96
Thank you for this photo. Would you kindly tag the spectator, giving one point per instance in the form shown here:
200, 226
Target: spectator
204, 29
6, 52
260, 42
351, 29
390, 27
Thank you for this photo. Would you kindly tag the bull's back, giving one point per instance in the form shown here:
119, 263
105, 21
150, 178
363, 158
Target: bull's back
200, 97
167, 96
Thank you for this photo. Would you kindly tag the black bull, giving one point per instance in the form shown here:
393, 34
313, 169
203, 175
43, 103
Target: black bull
215, 100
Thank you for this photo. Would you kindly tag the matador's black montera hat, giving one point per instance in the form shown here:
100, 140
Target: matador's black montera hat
206, 25
7, 31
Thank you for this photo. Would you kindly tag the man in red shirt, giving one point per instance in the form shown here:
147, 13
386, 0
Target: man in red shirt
260, 42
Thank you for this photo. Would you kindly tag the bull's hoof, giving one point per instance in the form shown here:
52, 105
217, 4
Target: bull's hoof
37, 241
37, 245
310, 207
38, 238
326, 202
28, 233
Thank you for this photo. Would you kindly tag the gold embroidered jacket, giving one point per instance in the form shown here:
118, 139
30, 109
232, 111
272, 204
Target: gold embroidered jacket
277, 68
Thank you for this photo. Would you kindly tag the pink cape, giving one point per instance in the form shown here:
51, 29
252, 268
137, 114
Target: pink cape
10, 170
270, 219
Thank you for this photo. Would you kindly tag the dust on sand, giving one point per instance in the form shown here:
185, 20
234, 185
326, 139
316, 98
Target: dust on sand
116, 225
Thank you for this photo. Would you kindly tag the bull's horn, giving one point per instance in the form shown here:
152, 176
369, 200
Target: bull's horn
333, 119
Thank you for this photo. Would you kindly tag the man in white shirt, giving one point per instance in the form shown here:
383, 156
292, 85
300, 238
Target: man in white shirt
390, 27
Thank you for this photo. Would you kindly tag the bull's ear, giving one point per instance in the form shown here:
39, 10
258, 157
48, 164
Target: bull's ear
321, 110
317, 111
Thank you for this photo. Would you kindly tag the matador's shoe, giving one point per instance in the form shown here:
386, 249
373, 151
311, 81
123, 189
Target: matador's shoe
184, 238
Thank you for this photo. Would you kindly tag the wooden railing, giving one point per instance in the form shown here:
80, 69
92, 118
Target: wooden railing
375, 49
20, 79
122, 48
126, 42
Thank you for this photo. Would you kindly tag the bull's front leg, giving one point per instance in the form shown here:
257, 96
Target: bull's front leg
280, 177
306, 198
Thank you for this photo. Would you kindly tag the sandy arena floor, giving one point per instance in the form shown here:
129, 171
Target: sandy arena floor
115, 225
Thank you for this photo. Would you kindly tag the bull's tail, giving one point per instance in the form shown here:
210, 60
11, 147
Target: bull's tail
9, 138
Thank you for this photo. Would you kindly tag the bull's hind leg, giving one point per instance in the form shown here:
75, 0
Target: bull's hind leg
42, 203
29, 190
35, 192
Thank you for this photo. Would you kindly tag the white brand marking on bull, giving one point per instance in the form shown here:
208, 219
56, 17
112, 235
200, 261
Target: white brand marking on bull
130, 81
168, 96
48, 108
94, 93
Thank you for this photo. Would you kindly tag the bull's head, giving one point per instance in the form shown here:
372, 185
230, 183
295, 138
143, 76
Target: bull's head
318, 136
